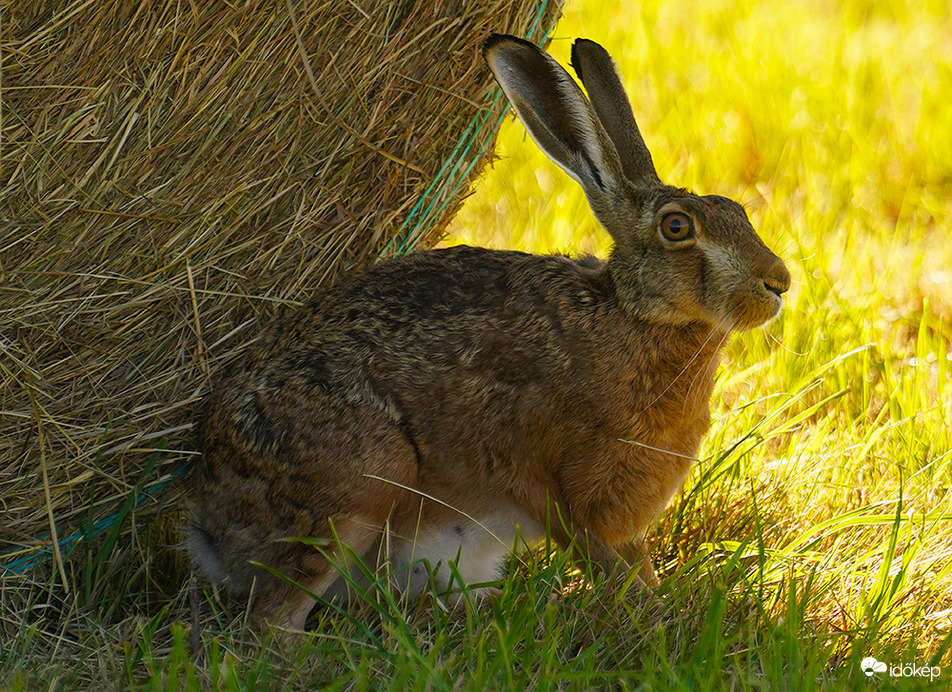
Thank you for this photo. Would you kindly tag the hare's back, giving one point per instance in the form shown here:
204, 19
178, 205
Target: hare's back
441, 308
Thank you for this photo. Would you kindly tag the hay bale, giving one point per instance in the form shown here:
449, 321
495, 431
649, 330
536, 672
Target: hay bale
173, 175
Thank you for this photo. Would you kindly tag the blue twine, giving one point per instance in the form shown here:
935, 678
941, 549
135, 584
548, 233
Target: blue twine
435, 198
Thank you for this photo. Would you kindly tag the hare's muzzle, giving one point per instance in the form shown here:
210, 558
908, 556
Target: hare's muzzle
758, 294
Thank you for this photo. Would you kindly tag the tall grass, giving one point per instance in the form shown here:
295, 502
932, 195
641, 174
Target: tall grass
816, 529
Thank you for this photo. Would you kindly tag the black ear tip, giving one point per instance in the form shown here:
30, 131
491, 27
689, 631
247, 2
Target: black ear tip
584, 44
582, 47
574, 61
494, 40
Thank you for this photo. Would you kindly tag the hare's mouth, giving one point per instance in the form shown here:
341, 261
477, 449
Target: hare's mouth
776, 288
775, 297
755, 306
774, 293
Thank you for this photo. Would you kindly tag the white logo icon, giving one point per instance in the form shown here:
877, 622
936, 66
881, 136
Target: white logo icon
870, 665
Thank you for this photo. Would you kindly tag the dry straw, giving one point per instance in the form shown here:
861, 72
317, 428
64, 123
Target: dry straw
174, 175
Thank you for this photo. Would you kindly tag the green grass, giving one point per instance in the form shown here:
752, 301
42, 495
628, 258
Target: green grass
816, 529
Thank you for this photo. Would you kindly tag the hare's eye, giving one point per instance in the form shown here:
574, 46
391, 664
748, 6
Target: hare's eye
677, 226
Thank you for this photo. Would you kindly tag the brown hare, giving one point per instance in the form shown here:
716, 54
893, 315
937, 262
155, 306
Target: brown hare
453, 405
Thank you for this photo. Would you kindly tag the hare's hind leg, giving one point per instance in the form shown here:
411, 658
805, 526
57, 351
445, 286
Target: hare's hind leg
354, 467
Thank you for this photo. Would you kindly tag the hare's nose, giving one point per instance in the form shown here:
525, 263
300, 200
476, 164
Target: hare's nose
777, 280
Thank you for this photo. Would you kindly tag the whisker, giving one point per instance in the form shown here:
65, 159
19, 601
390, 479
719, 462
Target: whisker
678, 376
658, 449
717, 350
437, 500
782, 345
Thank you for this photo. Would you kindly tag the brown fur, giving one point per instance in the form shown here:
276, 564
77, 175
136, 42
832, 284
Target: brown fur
508, 388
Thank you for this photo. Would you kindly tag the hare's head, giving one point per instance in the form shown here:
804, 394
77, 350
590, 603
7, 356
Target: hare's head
678, 257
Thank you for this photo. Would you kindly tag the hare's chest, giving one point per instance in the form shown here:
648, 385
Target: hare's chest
675, 406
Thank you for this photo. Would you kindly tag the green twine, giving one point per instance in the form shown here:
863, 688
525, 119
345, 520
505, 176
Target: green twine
452, 173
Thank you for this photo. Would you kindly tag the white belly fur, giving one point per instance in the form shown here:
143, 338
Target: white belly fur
476, 549
471, 551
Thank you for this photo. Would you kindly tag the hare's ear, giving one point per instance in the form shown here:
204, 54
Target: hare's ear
555, 112
595, 68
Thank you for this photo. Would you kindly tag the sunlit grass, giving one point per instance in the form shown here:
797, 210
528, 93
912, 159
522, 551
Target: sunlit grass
827, 469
